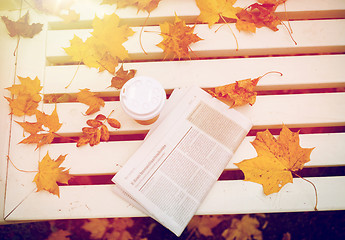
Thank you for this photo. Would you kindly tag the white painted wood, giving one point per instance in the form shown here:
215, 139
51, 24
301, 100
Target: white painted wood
30, 63
271, 111
312, 37
226, 197
105, 157
299, 72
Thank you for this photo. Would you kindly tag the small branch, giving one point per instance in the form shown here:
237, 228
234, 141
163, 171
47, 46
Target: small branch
141, 33
227, 24
316, 200
9, 159
73, 76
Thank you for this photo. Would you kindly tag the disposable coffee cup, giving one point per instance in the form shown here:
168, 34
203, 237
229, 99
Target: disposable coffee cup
142, 98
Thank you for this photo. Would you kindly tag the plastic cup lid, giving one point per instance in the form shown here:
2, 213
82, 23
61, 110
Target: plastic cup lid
142, 98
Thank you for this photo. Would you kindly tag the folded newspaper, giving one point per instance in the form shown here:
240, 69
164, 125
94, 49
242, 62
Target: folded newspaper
182, 157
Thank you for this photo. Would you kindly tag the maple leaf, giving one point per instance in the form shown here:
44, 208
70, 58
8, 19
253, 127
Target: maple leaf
59, 235
239, 93
141, 5
122, 77
104, 49
246, 228
22, 27
90, 99
212, 10
176, 38
96, 226
204, 224
245, 26
261, 15
26, 96
276, 160
35, 129
49, 173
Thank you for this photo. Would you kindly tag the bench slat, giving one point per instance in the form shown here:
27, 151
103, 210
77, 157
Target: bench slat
86, 160
226, 197
297, 110
188, 10
323, 71
315, 36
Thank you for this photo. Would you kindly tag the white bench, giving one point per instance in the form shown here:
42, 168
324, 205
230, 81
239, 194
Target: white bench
314, 69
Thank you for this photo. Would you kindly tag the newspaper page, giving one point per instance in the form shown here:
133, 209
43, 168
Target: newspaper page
175, 167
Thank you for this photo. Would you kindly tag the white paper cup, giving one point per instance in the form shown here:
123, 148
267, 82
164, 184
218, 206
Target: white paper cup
142, 98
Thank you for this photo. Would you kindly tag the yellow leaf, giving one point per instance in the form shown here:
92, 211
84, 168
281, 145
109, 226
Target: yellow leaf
50, 121
26, 96
244, 229
97, 227
49, 173
90, 99
176, 38
276, 159
245, 26
212, 10
204, 224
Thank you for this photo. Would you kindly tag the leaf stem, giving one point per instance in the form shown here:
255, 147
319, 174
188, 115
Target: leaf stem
141, 33
227, 24
69, 84
9, 159
316, 197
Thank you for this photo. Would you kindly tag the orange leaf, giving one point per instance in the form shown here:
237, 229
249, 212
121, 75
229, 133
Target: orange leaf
90, 99
50, 121
261, 15
40, 139
245, 26
113, 122
239, 93
122, 77
26, 96
176, 38
97, 227
22, 27
276, 159
104, 133
49, 173
204, 224
31, 128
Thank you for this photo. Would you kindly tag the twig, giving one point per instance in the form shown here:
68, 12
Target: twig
227, 24
316, 201
9, 159
73, 76
141, 33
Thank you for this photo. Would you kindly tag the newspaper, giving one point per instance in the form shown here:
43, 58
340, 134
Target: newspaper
182, 157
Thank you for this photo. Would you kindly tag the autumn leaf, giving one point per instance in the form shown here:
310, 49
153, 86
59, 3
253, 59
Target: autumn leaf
276, 161
261, 15
245, 26
246, 228
96, 226
104, 49
141, 5
59, 235
22, 27
38, 135
90, 99
204, 224
239, 93
211, 11
122, 77
71, 16
50, 173
176, 38
26, 96
97, 131
275, 2
57, 8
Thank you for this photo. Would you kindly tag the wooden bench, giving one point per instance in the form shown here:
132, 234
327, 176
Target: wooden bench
309, 96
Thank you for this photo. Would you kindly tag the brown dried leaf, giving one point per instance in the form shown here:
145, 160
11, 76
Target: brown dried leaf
104, 133
90, 99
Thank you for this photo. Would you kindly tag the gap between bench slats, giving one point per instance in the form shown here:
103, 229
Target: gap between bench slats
300, 110
299, 72
188, 10
108, 157
226, 197
317, 36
